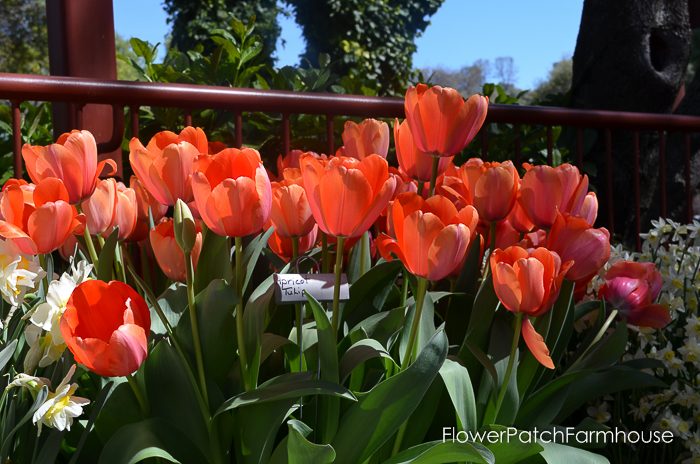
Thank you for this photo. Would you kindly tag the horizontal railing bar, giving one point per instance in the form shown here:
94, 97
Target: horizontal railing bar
56, 88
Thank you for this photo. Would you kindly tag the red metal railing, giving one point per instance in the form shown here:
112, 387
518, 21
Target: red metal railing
18, 88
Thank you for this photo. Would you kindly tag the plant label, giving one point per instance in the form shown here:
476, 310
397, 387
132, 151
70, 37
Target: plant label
291, 288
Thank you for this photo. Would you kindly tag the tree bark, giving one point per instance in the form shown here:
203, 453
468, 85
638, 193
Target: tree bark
631, 55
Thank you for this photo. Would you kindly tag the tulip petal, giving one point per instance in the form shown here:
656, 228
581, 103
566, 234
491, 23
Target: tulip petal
447, 251
536, 344
18, 237
345, 196
506, 285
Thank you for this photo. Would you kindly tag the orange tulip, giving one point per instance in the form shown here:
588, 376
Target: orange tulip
518, 218
347, 195
192, 135
589, 208
412, 161
126, 212
232, 192
366, 138
546, 190
101, 207
492, 186
106, 327
528, 282
165, 171
632, 288
145, 205
291, 160
290, 213
575, 240
282, 246
441, 122
45, 223
168, 253
432, 237
73, 159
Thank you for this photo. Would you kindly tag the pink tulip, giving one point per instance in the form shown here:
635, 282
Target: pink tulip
632, 288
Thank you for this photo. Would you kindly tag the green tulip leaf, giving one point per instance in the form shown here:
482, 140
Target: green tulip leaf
105, 263
443, 452
459, 387
154, 438
378, 414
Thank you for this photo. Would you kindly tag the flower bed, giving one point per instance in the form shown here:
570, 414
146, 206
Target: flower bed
347, 311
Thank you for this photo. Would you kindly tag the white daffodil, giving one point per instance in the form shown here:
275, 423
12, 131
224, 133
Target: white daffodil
29, 382
61, 407
19, 273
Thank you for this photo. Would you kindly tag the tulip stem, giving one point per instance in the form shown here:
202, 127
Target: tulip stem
434, 174
340, 241
90, 246
240, 333
298, 308
509, 369
143, 404
420, 298
195, 328
596, 339
492, 237
364, 252
324, 253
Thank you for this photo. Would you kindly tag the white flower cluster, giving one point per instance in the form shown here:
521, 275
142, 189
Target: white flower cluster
19, 274
675, 249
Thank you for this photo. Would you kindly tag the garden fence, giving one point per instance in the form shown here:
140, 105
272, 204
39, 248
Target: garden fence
18, 88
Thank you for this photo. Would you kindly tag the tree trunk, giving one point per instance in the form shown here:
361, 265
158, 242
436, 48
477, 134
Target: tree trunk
631, 55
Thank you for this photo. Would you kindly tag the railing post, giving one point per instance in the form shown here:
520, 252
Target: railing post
16, 139
81, 44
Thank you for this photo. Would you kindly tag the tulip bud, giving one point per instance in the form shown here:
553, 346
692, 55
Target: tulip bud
185, 230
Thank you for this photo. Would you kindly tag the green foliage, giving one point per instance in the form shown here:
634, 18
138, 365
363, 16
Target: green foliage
36, 129
237, 59
192, 22
371, 40
554, 90
23, 37
503, 138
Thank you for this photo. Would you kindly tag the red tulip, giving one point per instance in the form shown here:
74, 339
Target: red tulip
632, 288
45, 223
441, 122
414, 163
166, 172
106, 327
575, 240
347, 195
168, 253
366, 138
432, 237
546, 190
232, 192
73, 159
101, 207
